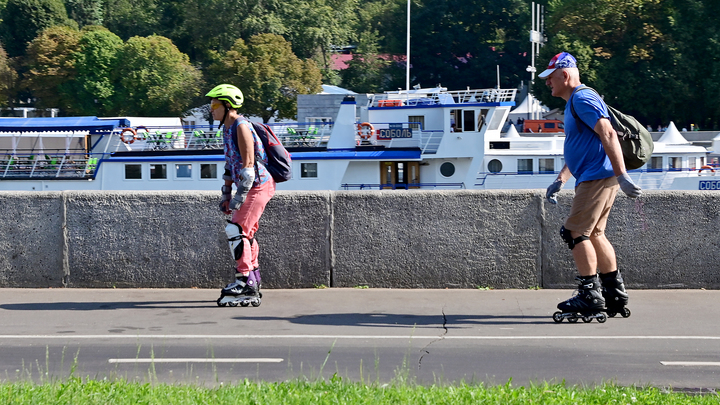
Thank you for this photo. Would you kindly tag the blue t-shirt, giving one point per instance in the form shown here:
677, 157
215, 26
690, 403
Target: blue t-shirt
583, 150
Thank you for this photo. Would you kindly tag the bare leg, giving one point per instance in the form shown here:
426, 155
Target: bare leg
585, 257
606, 260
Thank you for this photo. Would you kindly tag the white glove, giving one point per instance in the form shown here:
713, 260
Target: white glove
553, 190
631, 189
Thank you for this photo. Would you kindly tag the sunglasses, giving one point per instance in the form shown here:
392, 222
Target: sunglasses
215, 106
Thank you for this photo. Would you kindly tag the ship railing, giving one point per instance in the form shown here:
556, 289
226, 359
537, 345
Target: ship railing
400, 186
439, 97
303, 134
48, 165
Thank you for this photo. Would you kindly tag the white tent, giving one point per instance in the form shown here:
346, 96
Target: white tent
672, 136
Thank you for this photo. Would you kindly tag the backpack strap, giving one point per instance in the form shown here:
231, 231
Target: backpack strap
572, 108
234, 135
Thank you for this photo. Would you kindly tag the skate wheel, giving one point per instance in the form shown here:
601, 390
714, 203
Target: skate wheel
602, 318
221, 304
625, 313
611, 314
233, 304
557, 317
259, 294
586, 319
244, 304
573, 319
256, 303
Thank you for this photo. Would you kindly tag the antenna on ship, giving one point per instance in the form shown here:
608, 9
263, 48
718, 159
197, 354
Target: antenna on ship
537, 39
407, 52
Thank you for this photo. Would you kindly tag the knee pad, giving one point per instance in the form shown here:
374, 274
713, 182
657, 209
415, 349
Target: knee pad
571, 242
235, 237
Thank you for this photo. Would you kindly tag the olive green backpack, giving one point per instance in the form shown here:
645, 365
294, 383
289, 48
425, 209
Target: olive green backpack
635, 141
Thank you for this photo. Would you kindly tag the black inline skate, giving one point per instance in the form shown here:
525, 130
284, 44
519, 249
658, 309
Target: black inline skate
587, 304
613, 291
243, 291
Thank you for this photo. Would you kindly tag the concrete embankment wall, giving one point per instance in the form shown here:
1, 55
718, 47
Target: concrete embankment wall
398, 239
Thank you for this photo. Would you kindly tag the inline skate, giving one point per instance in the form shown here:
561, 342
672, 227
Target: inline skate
587, 304
613, 291
243, 291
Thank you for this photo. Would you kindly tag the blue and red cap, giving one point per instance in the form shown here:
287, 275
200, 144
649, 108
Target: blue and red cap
560, 61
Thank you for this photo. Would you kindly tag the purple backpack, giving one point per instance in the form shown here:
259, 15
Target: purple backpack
279, 162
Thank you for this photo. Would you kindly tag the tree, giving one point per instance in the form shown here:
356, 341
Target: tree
369, 72
129, 18
154, 78
85, 12
95, 60
50, 66
23, 20
643, 55
269, 75
8, 76
459, 43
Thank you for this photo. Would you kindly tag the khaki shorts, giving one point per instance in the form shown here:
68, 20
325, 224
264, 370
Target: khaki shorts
591, 206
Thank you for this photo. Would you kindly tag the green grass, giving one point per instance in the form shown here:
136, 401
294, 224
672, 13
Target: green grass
335, 391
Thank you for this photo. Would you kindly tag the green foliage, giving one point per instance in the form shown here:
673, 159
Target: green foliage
50, 66
653, 59
85, 12
154, 78
8, 77
129, 18
95, 61
269, 75
22, 20
336, 390
459, 43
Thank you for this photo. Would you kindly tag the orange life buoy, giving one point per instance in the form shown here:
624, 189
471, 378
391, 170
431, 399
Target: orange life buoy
365, 130
128, 140
706, 167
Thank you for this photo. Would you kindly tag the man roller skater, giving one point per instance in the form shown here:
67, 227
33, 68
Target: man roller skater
594, 157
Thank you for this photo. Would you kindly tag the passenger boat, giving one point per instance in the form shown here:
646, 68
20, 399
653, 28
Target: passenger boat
417, 139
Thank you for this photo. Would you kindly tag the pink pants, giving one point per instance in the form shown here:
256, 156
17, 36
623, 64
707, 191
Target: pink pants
248, 217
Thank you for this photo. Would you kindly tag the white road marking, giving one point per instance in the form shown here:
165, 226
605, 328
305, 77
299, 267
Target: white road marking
195, 360
691, 363
371, 337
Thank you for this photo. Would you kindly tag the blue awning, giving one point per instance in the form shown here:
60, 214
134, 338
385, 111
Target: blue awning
385, 154
58, 124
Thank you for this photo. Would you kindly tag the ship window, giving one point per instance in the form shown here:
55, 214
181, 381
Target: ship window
208, 171
133, 172
417, 122
495, 166
158, 171
525, 166
183, 171
497, 119
308, 170
546, 165
455, 120
447, 169
674, 163
481, 118
692, 163
469, 120
655, 164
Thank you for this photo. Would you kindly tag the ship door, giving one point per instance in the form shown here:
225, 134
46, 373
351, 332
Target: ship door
399, 175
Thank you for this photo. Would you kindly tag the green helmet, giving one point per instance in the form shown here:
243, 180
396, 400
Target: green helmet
229, 93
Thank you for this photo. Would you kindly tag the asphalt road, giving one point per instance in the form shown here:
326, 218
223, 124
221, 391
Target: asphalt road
672, 338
